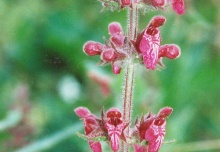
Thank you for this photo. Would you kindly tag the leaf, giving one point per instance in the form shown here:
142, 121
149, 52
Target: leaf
95, 139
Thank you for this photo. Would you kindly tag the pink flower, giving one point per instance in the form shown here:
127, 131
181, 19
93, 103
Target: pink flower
178, 5
152, 128
125, 3
115, 126
147, 47
139, 148
110, 125
148, 44
93, 48
113, 50
108, 55
116, 33
116, 68
90, 124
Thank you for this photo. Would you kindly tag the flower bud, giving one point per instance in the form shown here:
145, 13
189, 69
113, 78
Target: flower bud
116, 69
114, 28
178, 6
155, 3
92, 48
125, 3
108, 55
118, 40
170, 51
157, 21
82, 112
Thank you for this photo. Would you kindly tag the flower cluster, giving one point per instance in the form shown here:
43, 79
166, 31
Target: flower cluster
150, 128
110, 126
177, 5
113, 51
146, 48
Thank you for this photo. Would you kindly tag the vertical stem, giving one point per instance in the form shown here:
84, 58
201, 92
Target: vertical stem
129, 75
127, 107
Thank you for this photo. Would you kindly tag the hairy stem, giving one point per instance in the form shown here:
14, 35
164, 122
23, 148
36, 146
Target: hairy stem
129, 74
127, 107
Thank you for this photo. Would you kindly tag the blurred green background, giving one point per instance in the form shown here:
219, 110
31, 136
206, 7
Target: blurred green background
44, 75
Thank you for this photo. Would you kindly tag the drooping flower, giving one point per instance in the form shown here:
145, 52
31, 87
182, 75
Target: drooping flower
148, 44
90, 124
152, 128
111, 125
93, 48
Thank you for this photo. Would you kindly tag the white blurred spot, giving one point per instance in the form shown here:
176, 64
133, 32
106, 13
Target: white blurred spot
69, 89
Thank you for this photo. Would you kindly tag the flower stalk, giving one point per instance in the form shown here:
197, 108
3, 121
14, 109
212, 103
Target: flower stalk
129, 74
127, 107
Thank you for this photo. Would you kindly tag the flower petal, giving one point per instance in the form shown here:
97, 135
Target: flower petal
149, 46
170, 51
116, 69
115, 28
158, 3
82, 112
139, 148
117, 39
95, 146
125, 3
157, 21
178, 6
165, 112
155, 136
114, 134
108, 55
92, 48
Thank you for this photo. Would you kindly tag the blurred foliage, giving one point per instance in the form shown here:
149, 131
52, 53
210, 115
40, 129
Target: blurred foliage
42, 65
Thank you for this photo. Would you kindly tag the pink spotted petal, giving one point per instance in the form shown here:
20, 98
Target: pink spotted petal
114, 135
82, 112
155, 136
178, 6
149, 46
139, 148
170, 51
115, 28
95, 146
